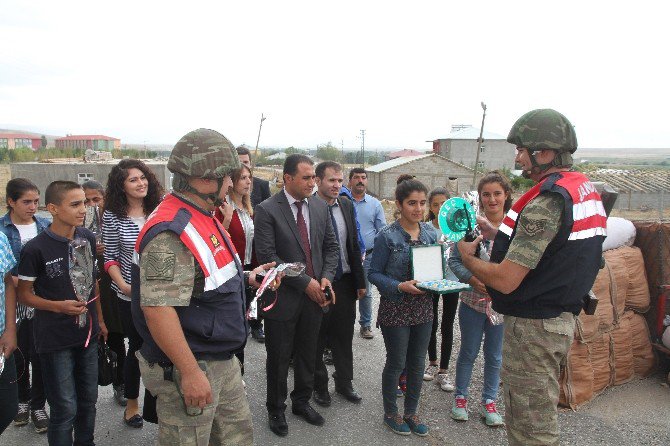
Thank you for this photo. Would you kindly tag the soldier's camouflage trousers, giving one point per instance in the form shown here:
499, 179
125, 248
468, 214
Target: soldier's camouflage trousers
227, 421
533, 351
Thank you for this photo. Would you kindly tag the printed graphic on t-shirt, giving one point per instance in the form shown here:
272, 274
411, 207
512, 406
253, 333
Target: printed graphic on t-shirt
53, 268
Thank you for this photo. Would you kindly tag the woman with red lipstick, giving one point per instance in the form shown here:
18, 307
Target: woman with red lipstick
132, 193
236, 215
495, 198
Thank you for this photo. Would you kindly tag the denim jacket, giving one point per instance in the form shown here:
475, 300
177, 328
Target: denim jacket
456, 265
12, 233
391, 257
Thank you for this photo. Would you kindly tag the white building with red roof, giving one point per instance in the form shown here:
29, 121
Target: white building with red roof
13, 141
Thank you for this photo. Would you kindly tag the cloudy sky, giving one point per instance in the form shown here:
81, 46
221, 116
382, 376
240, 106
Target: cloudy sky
321, 71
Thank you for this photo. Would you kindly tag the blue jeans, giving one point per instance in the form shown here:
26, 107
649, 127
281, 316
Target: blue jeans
71, 384
9, 395
474, 325
405, 348
365, 303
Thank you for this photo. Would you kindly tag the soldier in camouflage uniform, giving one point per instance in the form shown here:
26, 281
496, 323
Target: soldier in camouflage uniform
188, 302
545, 258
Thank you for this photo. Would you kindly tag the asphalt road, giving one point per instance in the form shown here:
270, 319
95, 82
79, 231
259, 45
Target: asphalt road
637, 413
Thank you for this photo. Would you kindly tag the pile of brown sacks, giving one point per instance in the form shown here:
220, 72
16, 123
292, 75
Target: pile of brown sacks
612, 346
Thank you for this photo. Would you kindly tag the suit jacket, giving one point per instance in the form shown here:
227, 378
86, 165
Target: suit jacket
353, 247
277, 239
260, 191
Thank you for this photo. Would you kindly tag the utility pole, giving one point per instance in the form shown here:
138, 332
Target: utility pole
479, 147
145, 149
363, 148
263, 118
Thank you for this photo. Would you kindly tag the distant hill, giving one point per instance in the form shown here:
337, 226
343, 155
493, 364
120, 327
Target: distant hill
623, 153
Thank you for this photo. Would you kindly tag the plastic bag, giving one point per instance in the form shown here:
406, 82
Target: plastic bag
289, 270
107, 364
494, 317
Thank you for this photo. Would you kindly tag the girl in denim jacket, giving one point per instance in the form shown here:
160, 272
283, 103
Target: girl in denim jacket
405, 312
20, 224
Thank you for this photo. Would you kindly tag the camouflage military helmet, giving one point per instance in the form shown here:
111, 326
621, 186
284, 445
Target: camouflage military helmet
203, 153
543, 129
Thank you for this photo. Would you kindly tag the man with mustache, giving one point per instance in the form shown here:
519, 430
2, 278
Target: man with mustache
545, 257
371, 219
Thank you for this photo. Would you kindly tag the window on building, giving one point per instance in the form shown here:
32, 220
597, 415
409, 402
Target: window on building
22, 143
4, 143
480, 165
84, 177
482, 149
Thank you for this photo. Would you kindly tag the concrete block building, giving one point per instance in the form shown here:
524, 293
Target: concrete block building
432, 170
76, 170
461, 146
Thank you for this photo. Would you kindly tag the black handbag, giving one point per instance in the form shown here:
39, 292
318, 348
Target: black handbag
106, 364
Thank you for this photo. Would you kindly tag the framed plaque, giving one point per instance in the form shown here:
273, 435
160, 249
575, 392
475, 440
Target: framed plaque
428, 265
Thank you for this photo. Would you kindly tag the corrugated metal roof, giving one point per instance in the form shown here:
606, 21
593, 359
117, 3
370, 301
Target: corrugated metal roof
86, 138
472, 133
635, 180
386, 165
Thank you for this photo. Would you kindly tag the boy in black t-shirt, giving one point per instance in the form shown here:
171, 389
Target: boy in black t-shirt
68, 351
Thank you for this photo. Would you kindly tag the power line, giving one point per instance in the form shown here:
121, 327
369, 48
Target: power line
363, 148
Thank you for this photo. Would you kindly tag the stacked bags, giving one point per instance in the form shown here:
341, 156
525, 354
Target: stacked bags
612, 346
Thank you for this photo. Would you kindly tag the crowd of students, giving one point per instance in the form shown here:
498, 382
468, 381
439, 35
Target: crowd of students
63, 358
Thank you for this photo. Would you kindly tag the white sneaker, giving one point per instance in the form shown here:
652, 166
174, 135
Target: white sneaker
444, 382
430, 372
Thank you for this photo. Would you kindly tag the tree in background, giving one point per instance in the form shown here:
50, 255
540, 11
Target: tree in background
353, 157
16, 155
291, 150
44, 142
133, 153
373, 159
328, 152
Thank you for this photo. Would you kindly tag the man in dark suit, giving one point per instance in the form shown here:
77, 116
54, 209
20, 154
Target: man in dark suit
337, 326
260, 188
260, 191
294, 226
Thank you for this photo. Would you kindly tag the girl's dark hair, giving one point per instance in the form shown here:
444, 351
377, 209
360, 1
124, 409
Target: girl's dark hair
495, 176
16, 188
406, 187
115, 197
431, 195
403, 177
